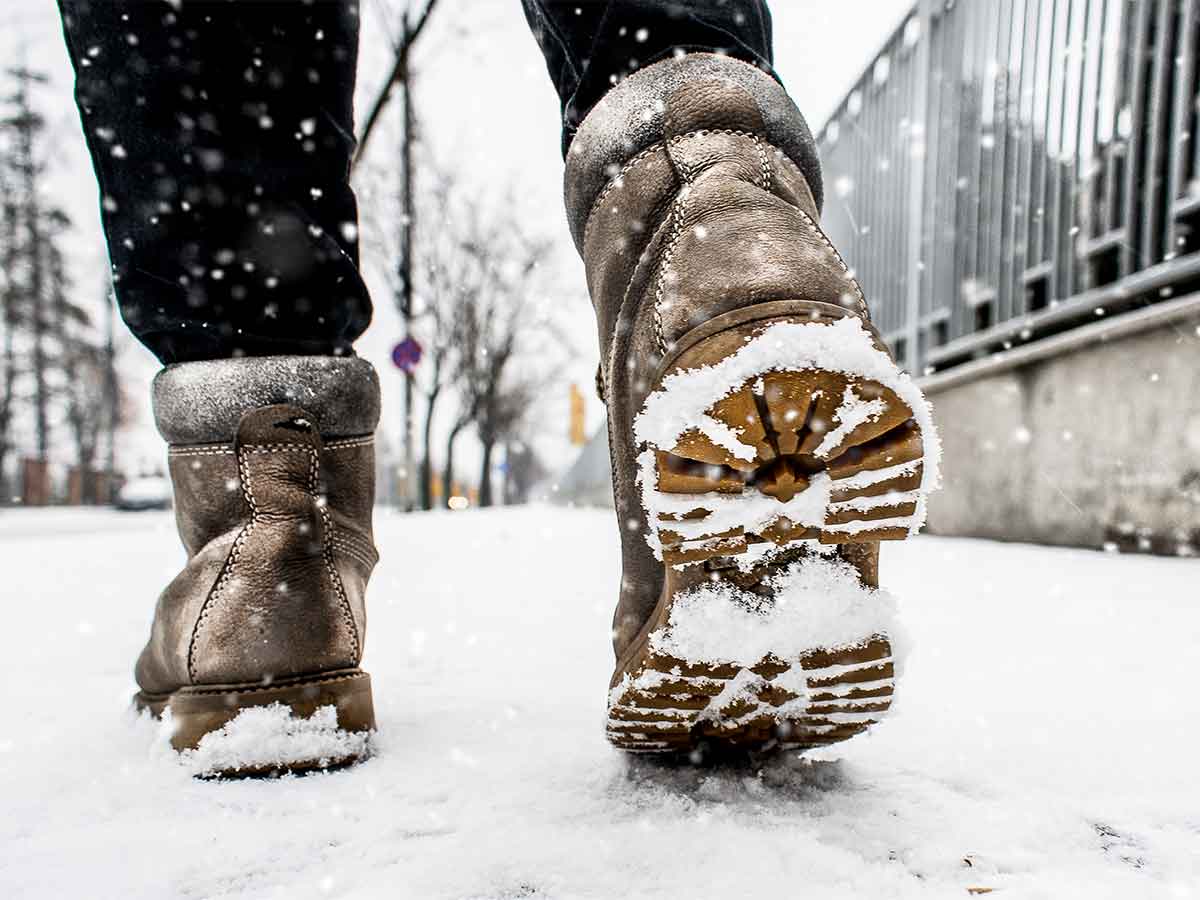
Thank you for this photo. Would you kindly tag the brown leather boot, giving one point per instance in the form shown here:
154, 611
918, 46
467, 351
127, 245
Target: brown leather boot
763, 440
272, 461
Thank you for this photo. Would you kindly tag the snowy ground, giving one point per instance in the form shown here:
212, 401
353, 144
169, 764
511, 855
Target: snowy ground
1044, 743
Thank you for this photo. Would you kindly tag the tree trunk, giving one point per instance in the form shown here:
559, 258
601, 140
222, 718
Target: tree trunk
9, 320
485, 475
426, 454
112, 393
448, 472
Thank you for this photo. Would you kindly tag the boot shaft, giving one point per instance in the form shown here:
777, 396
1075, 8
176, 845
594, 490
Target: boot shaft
693, 191
708, 201
273, 505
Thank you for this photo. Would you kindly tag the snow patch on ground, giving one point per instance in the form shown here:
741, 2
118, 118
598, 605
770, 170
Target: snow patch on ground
1042, 742
817, 603
267, 737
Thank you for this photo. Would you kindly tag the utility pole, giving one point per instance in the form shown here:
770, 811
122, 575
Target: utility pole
406, 258
917, 245
401, 74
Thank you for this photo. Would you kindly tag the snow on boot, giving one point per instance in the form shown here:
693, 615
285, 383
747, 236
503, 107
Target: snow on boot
255, 646
763, 440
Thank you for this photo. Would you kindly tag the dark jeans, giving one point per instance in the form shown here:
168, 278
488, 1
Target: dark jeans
589, 47
222, 134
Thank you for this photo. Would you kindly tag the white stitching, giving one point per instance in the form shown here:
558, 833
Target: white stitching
350, 549
350, 443
227, 573
212, 451
677, 213
345, 444
677, 209
356, 542
618, 179
862, 300
327, 536
764, 166
641, 157
353, 538
816, 229
278, 448
354, 554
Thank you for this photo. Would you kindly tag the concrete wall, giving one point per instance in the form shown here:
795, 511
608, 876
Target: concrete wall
1088, 438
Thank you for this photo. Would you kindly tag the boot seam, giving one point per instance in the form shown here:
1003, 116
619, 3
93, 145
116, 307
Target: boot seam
677, 213
641, 157
207, 451
355, 550
616, 180
763, 165
349, 443
339, 588
363, 544
832, 250
230, 564
352, 554
347, 673
243, 457
677, 210
619, 329
227, 450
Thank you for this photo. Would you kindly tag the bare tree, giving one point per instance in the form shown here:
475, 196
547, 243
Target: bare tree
10, 319
24, 125
79, 358
442, 285
500, 417
502, 310
412, 24
51, 361
466, 328
522, 470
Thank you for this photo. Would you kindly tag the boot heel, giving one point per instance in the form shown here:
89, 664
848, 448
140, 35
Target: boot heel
784, 430
305, 723
797, 430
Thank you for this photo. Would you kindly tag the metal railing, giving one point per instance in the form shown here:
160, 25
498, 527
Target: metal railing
1007, 169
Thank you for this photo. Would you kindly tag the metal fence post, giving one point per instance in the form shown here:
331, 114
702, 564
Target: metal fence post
916, 214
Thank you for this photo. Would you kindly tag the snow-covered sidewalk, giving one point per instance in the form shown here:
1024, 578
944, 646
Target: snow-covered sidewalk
1044, 742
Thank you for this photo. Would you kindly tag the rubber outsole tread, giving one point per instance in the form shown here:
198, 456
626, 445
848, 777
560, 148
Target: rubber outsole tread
802, 432
821, 457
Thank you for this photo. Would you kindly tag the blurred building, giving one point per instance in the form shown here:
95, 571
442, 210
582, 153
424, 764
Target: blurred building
588, 480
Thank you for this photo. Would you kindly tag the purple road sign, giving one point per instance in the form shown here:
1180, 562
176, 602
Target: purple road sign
407, 354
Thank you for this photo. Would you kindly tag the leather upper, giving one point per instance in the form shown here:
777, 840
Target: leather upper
716, 215
277, 528
645, 106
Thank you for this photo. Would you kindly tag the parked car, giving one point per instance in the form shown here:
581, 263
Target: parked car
153, 492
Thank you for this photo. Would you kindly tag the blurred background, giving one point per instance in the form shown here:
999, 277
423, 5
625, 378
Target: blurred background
1012, 181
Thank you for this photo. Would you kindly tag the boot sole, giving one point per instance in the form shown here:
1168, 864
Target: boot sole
202, 710
823, 456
